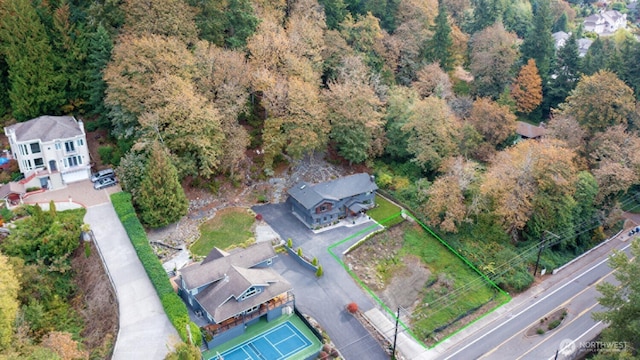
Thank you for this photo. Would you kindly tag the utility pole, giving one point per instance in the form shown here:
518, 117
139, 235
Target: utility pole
540, 248
395, 336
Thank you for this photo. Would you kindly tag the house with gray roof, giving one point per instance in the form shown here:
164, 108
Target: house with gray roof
50, 150
326, 203
231, 290
606, 22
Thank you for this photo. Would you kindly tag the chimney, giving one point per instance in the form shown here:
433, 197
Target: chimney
81, 125
372, 178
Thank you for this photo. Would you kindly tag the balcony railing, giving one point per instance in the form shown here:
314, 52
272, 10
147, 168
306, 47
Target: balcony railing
244, 318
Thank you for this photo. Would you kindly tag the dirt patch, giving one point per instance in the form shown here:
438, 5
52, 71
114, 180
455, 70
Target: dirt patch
548, 323
398, 280
95, 301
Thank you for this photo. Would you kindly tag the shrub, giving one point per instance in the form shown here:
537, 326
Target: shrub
87, 249
289, 243
540, 331
300, 252
33, 188
6, 214
259, 217
173, 306
319, 272
554, 324
109, 155
314, 261
323, 355
352, 307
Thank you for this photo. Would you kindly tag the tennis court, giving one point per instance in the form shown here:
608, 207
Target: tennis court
278, 343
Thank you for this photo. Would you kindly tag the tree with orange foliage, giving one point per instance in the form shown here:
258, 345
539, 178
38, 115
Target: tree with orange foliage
527, 88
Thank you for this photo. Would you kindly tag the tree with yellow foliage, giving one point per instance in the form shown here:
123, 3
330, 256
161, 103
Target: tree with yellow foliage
527, 88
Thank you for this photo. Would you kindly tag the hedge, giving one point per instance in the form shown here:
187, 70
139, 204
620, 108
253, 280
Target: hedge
174, 306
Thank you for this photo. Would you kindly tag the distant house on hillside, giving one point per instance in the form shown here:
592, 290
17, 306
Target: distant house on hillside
325, 203
583, 46
51, 150
560, 38
528, 131
230, 291
606, 22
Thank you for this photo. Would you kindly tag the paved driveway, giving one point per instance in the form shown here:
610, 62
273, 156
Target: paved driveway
145, 331
325, 298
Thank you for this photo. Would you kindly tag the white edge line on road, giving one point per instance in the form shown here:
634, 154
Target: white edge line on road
532, 305
579, 337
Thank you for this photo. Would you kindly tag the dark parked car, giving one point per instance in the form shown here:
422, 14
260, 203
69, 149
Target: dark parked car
105, 183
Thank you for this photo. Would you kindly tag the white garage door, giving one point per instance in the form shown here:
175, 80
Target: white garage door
74, 176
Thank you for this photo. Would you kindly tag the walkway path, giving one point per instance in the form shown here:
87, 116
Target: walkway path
144, 330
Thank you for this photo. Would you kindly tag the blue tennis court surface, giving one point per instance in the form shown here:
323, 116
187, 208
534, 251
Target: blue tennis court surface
278, 343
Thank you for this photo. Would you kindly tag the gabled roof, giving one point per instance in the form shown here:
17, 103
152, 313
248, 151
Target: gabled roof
47, 128
341, 188
530, 131
221, 299
197, 275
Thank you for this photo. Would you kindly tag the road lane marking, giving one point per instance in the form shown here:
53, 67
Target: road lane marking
588, 287
554, 334
553, 357
530, 306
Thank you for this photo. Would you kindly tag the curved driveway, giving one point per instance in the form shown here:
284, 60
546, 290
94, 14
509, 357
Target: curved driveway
144, 330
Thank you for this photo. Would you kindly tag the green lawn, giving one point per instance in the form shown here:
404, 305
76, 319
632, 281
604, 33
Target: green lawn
384, 212
230, 227
454, 289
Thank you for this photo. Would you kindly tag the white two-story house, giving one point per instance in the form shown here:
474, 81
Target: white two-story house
51, 150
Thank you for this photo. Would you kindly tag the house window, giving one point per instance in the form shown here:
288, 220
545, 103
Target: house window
80, 142
249, 311
250, 292
58, 146
26, 164
35, 148
23, 149
72, 161
38, 162
69, 147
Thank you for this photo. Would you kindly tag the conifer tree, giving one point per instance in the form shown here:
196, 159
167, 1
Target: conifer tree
527, 88
36, 88
161, 200
439, 46
539, 44
566, 71
99, 50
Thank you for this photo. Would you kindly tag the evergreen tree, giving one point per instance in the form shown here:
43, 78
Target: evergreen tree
439, 46
596, 57
36, 88
561, 23
630, 66
566, 71
5, 106
225, 23
99, 50
485, 14
161, 200
335, 11
539, 44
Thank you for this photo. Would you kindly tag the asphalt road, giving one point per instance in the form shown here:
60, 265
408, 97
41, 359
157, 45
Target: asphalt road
325, 298
505, 338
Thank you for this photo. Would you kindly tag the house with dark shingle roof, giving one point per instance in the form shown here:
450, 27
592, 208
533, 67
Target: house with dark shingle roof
230, 291
50, 150
326, 203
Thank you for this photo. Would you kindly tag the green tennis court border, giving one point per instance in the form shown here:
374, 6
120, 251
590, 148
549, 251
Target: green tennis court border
385, 307
262, 326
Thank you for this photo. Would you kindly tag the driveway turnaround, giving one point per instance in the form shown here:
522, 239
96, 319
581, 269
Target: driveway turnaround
145, 331
325, 298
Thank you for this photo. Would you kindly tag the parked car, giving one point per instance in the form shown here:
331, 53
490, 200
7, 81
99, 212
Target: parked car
105, 183
103, 174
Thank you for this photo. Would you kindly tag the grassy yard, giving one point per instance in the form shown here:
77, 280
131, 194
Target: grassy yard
453, 290
383, 211
230, 227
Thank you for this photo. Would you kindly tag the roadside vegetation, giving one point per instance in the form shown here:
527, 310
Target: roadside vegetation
229, 228
44, 282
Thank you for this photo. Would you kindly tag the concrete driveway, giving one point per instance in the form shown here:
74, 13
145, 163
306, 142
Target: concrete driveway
145, 331
325, 298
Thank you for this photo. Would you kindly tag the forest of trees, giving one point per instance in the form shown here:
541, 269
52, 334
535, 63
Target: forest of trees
425, 93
